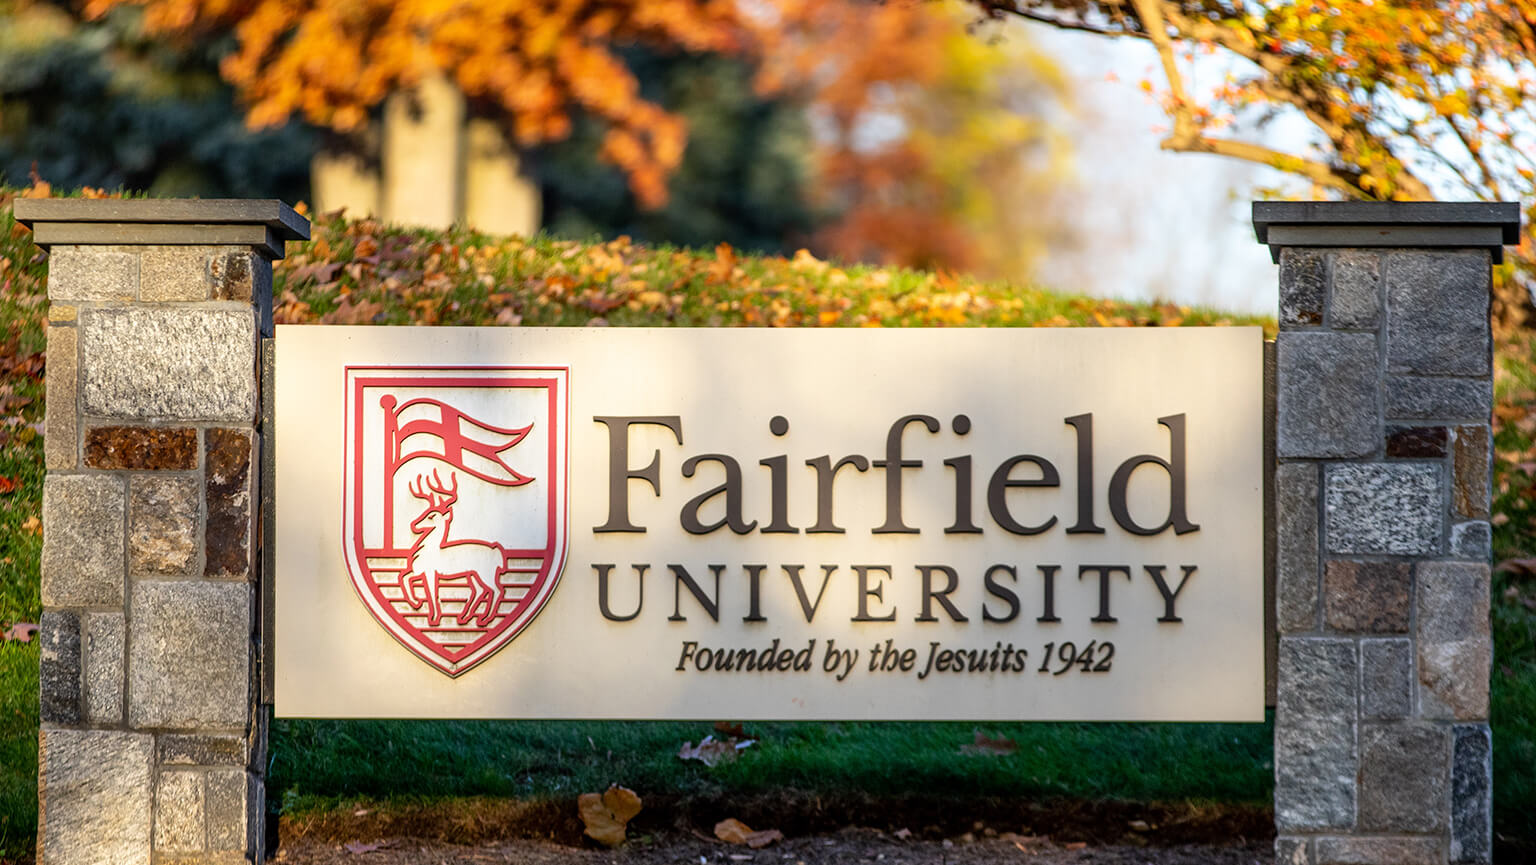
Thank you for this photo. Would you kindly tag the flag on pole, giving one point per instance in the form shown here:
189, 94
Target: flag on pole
436, 429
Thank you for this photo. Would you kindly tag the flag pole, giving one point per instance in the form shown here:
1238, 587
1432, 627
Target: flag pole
391, 454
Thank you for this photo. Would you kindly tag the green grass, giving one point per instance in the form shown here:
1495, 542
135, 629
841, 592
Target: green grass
319, 762
21, 463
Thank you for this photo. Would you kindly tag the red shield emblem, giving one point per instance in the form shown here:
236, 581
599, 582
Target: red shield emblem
455, 503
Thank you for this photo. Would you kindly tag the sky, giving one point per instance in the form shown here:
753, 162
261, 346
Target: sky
1153, 225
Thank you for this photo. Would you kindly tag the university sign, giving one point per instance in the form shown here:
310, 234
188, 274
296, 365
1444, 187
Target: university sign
1021, 524
665, 523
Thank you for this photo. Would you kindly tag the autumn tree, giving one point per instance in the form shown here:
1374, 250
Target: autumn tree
331, 61
928, 138
96, 104
1407, 99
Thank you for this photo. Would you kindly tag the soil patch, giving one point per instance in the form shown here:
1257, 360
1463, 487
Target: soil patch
885, 830
849, 846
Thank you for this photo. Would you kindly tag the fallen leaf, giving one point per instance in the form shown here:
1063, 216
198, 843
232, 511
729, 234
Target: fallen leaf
21, 632
1521, 567
984, 744
732, 831
8, 485
759, 840
358, 847
1074, 845
32, 524
734, 731
710, 750
903, 833
607, 814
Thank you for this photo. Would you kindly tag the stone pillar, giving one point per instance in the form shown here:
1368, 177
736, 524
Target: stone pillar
153, 733
1385, 393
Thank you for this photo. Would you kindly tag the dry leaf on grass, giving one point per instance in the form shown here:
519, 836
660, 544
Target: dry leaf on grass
606, 814
984, 744
20, 632
8, 485
710, 750
1518, 567
731, 730
733, 831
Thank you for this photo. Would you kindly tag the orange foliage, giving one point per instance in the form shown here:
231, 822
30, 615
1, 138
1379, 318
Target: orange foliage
1409, 99
910, 151
331, 61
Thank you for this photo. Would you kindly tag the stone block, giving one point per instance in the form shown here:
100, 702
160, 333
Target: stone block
239, 274
189, 655
82, 561
61, 428
1293, 851
1386, 678
1472, 540
1315, 753
92, 273
1472, 794
1415, 398
196, 749
1437, 312
173, 273
61, 313
1383, 509
1327, 401
1454, 643
1303, 281
1379, 851
94, 797
169, 362
141, 448
231, 480
1296, 572
163, 524
231, 799
59, 667
179, 820
1416, 442
1354, 302
1404, 785
1367, 597
105, 642
1469, 478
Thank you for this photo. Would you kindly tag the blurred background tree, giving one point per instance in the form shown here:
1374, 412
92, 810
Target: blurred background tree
877, 132
100, 104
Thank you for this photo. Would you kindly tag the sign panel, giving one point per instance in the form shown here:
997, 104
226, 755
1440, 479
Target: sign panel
1048, 524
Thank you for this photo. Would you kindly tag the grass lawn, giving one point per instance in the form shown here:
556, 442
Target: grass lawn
319, 762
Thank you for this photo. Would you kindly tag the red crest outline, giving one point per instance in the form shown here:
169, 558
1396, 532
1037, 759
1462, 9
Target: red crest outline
496, 434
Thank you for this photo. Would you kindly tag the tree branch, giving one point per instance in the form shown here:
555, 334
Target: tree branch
1318, 172
999, 8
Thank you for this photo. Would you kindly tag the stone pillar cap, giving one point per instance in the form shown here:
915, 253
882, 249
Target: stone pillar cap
265, 224
1447, 224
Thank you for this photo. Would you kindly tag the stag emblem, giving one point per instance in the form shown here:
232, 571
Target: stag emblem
434, 559
454, 503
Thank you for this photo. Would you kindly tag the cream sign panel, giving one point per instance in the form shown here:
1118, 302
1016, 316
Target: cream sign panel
1052, 524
